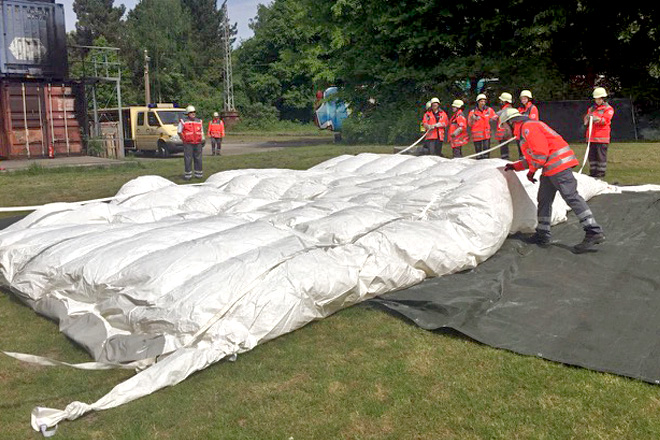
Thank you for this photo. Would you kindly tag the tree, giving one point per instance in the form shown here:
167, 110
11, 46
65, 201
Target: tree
97, 18
285, 61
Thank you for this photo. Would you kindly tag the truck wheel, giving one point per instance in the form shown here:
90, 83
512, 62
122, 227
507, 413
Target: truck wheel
163, 150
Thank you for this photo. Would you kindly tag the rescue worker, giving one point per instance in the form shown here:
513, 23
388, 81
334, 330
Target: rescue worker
191, 131
599, 137
506, 101
421, 124
544, 149
216, 132
435, 120
479, 123
458, 129
527, 108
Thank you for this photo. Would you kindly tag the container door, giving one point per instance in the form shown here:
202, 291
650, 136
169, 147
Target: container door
24, 120
62, 126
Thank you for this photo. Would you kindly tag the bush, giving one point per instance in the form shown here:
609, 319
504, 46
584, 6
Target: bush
95, 147
394, 126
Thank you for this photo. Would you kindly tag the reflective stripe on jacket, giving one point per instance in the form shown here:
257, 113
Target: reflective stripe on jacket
431, 118
479, 123
600, 131
216, 129
543, 148
457, 122
191, 131
501, 131
529, 110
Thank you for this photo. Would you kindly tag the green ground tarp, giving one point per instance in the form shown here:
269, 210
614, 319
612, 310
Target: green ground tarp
599, 310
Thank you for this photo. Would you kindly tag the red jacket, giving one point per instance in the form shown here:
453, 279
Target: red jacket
431, 119
530, 110
501, 131
600, 131
543, 148
216, 129
191, 130
479, 123
458, 121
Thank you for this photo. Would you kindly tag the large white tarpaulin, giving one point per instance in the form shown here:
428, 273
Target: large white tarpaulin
172, 279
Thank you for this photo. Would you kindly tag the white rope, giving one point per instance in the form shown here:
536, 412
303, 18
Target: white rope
586, 154
416, 142
84, 202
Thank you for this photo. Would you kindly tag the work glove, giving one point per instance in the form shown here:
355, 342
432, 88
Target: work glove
530, 177
509, 167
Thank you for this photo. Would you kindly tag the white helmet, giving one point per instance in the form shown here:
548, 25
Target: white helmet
506, 97
457, 103
216, 115
190, 109
600, 92
435, 101
480, 96
526, 94
507, 114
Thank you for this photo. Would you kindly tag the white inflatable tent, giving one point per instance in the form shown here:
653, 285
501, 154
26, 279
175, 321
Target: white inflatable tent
170, 279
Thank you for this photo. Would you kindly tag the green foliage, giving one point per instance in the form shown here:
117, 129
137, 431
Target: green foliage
95, 147
285, 61
258, 116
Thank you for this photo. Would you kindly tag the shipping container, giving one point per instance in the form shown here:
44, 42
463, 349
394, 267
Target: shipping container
37, 115
33, 40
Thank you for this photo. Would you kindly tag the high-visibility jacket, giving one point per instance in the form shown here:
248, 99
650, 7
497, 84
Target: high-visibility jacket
479, 122
216, 129
191, 130
529, 110
542, 148
431, 118
501, 131
600, 131
458, 123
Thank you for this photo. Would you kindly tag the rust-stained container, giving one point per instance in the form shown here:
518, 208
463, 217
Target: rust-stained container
39, 119
32, 40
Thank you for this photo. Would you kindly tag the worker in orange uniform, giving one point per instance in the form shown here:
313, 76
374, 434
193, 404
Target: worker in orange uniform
216, 132
527, 107
506, 101
545, 149
458, 129
435, 120
191, 131
479, 120
599, 137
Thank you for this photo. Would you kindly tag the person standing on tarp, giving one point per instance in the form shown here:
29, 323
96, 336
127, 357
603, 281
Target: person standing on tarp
599, 137
545, 149
506, 101
435, 120
216, 132
479, 123
458, 129
191, 131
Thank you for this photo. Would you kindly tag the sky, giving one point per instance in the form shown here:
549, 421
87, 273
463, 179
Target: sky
240, 11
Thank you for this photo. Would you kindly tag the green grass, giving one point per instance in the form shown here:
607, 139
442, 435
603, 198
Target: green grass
359, 374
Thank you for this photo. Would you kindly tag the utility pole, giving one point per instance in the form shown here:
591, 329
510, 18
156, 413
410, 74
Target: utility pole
229, 114
147, 85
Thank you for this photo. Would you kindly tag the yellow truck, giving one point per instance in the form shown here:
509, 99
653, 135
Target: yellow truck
148, 129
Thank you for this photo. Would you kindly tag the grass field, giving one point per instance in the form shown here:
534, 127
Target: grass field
359, 374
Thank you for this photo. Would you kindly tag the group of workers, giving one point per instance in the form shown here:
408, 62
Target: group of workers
477, 127
539, 148
191, 131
